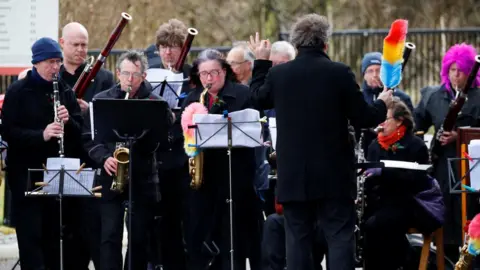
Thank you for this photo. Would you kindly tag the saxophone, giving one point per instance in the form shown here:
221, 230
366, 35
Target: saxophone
122, 156
195, 164
56, 105
465, 259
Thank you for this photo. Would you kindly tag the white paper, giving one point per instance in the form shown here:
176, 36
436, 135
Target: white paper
70, 186
272, 126
405, 165
175, 80
474, 152
211, 131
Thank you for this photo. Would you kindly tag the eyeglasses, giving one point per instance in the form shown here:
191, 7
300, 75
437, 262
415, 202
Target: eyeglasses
171, 48
128, 74
213, 73
54, 62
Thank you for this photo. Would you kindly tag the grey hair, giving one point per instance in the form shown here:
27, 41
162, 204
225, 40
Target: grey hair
283, 47
311, 30
133, 56
248, 55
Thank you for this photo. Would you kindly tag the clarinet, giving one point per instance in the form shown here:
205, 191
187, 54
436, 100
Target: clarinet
56, 105
360, 202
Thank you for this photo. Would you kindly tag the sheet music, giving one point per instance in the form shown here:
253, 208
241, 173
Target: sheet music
90, 107
157, 75
474, 152
70, 186
272, 126
405, 165
212, 129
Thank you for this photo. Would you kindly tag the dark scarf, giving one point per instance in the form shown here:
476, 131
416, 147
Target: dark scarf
38, 80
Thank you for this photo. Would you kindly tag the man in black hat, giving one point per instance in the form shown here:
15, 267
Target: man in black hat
32, 136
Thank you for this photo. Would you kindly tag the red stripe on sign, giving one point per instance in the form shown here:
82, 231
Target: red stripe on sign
11, 70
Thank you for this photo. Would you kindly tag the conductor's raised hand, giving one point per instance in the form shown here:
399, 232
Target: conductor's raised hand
386, 96
261, 48
110, 166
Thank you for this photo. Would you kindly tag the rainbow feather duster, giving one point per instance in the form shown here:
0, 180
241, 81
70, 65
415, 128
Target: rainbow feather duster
189, 133
474, 236
392, 58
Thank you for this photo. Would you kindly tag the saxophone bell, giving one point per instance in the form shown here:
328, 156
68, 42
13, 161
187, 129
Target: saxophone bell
120, 180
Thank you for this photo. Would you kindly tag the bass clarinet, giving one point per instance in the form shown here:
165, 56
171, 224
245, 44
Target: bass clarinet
56, 105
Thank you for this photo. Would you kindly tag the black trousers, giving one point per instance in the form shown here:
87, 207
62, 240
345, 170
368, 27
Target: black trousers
174, 185
335, 217
273, 245
113, 214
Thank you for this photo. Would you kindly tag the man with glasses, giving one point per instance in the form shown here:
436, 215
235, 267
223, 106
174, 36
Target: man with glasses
172, 160
130, 70
241, 60
32, 135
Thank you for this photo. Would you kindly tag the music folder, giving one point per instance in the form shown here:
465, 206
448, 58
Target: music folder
129, 118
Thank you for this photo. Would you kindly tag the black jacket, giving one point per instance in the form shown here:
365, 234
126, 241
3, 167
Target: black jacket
102, 81
314, 98
143, 159
171, 155
27, 110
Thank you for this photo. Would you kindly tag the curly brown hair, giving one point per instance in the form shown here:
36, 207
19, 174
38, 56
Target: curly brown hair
172, 33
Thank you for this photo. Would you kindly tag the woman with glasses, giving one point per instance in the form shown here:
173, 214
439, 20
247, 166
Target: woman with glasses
209, 225
395, 197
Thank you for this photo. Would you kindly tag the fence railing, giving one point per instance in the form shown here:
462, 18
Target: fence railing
349, 46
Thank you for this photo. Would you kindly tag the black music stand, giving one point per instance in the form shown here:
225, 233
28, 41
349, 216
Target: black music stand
164, 84
456, 185
61, 175
119, 120
227, 126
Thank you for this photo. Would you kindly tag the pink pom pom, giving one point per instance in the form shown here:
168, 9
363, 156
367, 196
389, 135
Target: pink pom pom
474, 227
187, 117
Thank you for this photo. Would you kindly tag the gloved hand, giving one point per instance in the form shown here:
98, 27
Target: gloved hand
373, 172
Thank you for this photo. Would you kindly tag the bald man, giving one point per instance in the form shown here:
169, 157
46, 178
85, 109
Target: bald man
74, 43
82, 220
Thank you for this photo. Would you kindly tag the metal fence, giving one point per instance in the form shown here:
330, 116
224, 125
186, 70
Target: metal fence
349, 46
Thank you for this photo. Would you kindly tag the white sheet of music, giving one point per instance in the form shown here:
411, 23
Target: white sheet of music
157, 75
474, 152
272, 126
70, 186
212, 129
405, 165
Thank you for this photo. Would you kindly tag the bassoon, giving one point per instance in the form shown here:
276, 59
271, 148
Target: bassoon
192, 32
90, 72
454, 109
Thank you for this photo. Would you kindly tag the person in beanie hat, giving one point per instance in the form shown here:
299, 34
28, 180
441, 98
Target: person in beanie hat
32, 134
371, 88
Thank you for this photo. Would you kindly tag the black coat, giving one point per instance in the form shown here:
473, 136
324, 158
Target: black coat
314, 98
172, 155
144, 164
27, 110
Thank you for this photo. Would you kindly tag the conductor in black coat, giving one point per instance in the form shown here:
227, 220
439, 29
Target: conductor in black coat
314, 99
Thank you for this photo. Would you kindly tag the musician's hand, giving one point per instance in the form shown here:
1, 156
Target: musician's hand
174, 117
448, 137
386, 96
83, 104
63, 114
267, 143
110, 166
261, 48
52, 130
373, 172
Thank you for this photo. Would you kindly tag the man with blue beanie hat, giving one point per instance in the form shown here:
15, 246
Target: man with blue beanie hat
32, 135
372, 87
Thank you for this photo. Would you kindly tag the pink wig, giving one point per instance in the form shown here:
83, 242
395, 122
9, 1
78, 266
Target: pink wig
462, 54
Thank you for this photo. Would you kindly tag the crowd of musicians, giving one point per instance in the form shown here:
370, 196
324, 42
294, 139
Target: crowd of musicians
322, 115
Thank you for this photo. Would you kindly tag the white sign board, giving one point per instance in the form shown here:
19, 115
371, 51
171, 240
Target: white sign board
22, 22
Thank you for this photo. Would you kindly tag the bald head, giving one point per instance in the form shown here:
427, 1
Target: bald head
241, 60
73, 29
74, 42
